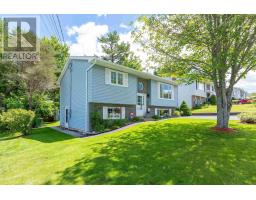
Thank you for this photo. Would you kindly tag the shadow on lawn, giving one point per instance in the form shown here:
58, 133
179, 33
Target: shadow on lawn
47, 135
179, 154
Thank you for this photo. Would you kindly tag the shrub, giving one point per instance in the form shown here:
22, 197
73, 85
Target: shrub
184, 109
156, 117
198, 106
18, 120
176, 113
212, 100
136, 119
44, 108
249, 117
97, 122
114, 123
14, 102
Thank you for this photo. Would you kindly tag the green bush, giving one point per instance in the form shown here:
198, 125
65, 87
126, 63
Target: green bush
14, 102
136, 119
100, 125
249, 117
96, 122
212, 100
114, 123
44, 108
198, 106
184, 109
176, 113
17, 120
156, 117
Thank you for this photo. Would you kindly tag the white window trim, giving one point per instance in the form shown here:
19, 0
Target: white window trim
169, 110
105, 112
198, 83
159, 96
108, 76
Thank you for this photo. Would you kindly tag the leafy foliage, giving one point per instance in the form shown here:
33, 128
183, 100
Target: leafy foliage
212, 100
219, 48
176, 113
184, 109
248, 117
119, 52
17, 120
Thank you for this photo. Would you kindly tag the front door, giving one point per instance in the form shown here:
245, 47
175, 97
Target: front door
141, 107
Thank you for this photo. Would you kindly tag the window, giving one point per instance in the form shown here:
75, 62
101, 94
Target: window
120, 79
140, 86
208, 87
166, 91
113, 77
116, 78
200, 86
113, 112
163, 112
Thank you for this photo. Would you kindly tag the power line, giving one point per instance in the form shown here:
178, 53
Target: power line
54, 27
63, 39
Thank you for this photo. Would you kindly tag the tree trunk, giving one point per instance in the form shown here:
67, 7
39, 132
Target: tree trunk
30, 101
224, 104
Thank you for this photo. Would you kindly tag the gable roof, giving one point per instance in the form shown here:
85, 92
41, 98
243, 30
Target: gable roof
96, 61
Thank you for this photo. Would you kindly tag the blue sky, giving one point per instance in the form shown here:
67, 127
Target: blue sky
81, 33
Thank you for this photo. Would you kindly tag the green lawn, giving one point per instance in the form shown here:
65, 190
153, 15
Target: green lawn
176, 151
235, 108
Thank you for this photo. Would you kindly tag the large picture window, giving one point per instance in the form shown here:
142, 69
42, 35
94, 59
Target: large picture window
113, 112
166, 91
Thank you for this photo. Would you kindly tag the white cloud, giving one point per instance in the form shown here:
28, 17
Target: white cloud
86, 39
122, 25
249, 83
102, 15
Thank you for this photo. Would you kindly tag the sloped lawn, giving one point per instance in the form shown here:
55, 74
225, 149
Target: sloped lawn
176, 151
235, 108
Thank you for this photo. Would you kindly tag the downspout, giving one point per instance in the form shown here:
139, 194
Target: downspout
70, 96
86, 96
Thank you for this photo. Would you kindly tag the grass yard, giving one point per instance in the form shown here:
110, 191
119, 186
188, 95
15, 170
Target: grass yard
235, 108
176, 151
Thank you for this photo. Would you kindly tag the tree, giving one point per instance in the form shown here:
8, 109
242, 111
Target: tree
220, 48
39, 76
212, 100
118, 52
184, 109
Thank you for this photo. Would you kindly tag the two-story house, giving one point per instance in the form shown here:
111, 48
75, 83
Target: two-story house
89, 84
239, 93
195, 93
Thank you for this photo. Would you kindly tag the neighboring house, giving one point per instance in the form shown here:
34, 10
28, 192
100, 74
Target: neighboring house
239, 93
89, 84
195, 93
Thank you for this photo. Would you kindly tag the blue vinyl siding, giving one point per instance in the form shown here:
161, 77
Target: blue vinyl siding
156, 101
100, 92
73, 95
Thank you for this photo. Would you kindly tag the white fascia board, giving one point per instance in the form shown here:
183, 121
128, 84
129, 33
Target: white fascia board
131, 71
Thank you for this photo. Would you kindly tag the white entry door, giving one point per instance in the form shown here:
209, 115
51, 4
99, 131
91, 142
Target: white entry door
141, 107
